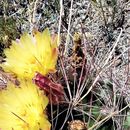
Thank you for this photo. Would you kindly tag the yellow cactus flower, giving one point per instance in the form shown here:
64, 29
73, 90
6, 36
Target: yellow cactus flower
32, 53
23, 108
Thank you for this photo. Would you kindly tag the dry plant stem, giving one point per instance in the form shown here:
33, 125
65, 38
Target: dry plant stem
117, 58
74, 93
30, 18
34, 11
103, 13
114, 9
56, 118
114, 86
108, 117
67, 115
128, 68
4, 8
80, 91
68, 37
90, 111
19, 11
110, 55
59, 27
66, 30
81, 110
83, 86
66, 79
59, 114
79, 84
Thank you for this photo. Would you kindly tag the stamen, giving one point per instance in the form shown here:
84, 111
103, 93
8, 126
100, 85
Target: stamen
19, 117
